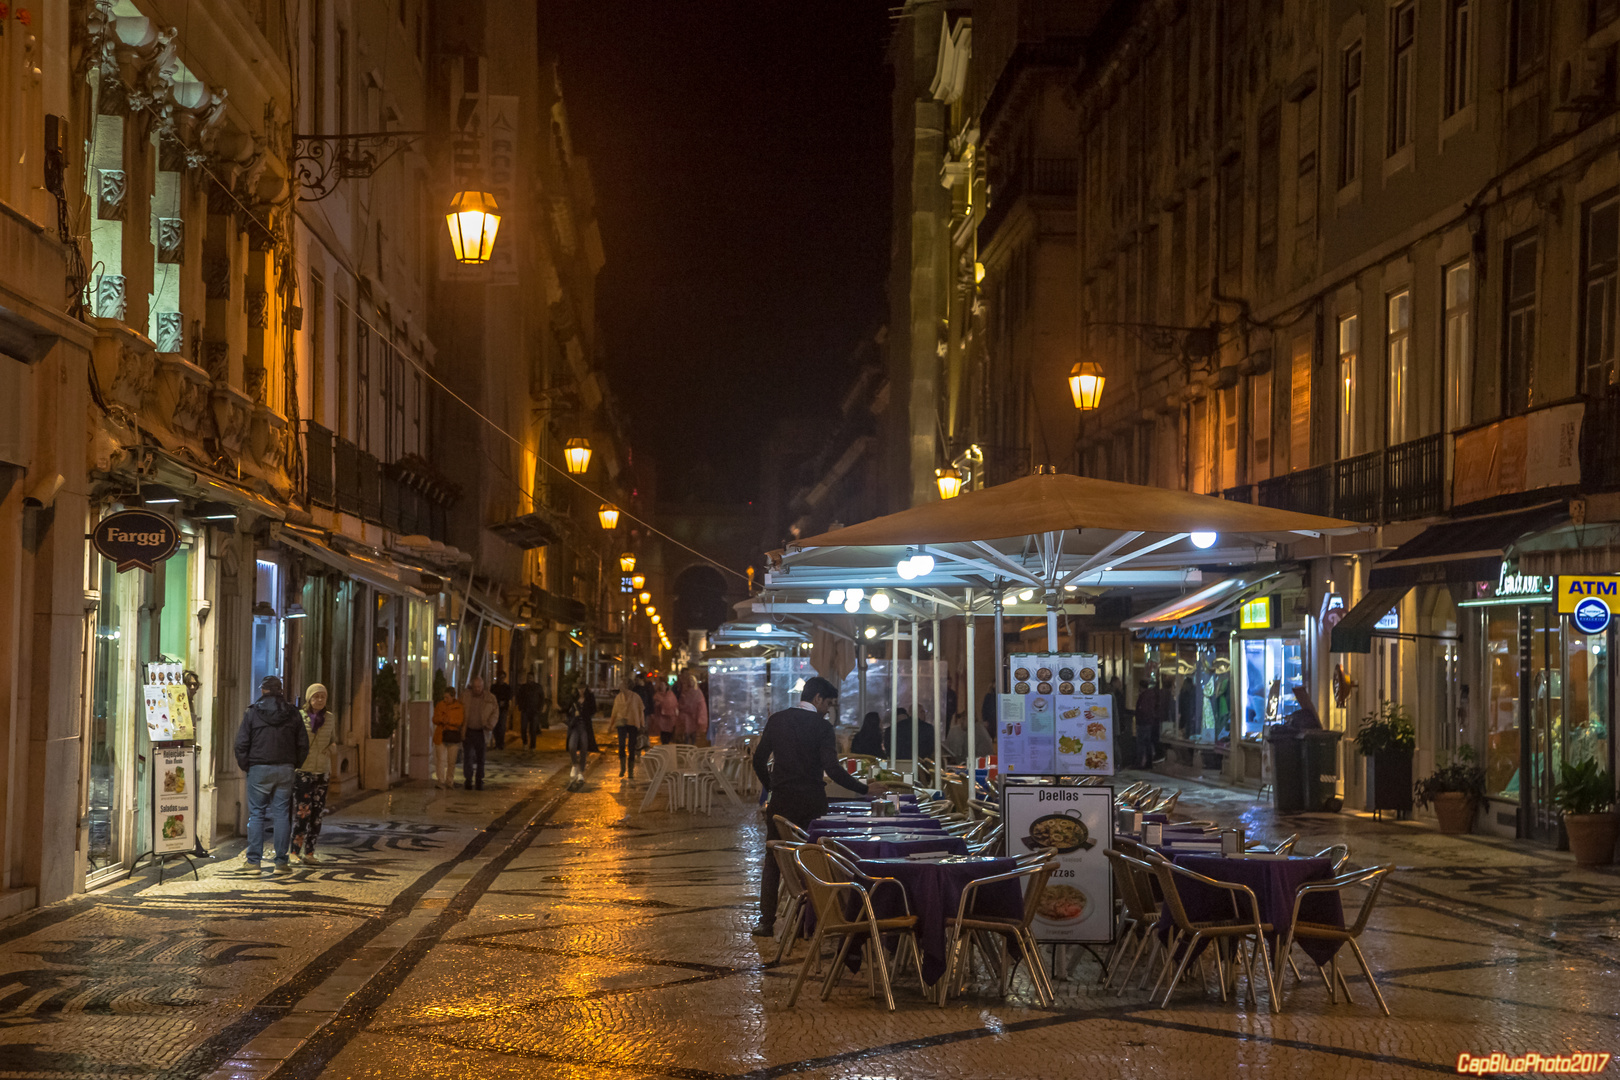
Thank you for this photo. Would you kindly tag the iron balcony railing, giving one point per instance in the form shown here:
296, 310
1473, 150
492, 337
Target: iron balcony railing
1404, 482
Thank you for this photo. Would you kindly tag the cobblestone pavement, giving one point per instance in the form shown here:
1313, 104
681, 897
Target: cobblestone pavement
527, 932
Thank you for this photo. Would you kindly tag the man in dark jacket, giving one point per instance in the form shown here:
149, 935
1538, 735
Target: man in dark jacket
272, 742
795, 750
502, 691
531, 702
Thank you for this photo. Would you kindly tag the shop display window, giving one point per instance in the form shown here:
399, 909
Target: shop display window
1502, 702
1272, 667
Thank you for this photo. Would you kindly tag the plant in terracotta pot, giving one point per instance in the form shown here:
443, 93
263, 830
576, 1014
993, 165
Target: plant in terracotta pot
1585, 793
1386, 738
1455, 791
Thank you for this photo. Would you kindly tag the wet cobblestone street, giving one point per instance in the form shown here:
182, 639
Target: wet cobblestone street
525, 931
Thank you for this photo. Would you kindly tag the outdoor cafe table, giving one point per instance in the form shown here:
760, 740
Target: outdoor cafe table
816, 830
934, 891
882, 845
1274, 882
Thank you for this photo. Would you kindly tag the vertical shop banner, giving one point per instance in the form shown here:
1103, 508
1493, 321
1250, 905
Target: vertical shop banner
1078, 822
1067, 724
174, 826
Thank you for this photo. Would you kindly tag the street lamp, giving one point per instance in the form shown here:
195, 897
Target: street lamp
577, 453
474, 218
651, 610
638, 581
645, 597
949, 480
656, 618
608, 515
627, 562
1086, 386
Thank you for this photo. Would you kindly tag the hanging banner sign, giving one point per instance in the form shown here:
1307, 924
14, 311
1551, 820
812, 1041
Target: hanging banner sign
1078, 822
135, 539
174, 825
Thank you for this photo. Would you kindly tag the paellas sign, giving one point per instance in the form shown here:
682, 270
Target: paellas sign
136, 538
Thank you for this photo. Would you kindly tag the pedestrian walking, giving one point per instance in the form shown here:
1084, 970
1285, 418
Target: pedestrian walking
795, 751
270, 743
313, 774
629, 717
480, 707
581, 734
531, 703
694, 711
666, 714
449, 720
502, 691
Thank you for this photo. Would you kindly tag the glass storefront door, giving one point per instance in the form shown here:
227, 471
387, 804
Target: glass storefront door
1272, 667
114, 707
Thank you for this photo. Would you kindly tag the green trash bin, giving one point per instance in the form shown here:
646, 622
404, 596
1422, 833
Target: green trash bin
1319, 751
1287, 769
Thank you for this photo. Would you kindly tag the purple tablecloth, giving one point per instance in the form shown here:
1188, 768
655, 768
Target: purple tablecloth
878, 846
934, 890
1273, 881
909, 822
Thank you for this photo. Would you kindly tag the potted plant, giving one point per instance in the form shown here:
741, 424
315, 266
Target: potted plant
384, 720
1456, 790
1585, 793
1386, 739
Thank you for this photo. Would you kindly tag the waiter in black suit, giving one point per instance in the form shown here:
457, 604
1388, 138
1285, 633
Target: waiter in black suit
796, 749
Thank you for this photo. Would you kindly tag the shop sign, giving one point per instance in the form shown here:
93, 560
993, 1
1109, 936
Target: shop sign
1572, 588
1391, 620
136, 538
1256, 614
1204, 631
1591, 615
1522, 584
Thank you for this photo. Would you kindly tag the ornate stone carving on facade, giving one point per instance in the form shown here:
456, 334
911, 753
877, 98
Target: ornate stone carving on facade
217, 277
233, 414
258, 308
111, 187
171, 235
136, 368
181, 399
270, 439
216, 361
110, 296
191, 410
253, 382
92, 39
171, 332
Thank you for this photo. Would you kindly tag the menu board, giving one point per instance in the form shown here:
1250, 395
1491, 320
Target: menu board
168, 714
1065, 723
1078, 822
174, 826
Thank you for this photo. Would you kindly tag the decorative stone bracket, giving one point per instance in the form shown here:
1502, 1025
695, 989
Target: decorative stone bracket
125, 366
233, 417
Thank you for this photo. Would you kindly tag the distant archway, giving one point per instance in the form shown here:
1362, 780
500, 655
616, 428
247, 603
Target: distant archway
700, 599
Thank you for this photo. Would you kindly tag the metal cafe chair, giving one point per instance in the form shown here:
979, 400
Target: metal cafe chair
1133, 879
987, 843
793, 884
1372, 879
789, 830
827, 879
1188, 934
1011, 930
838, 848
1338, 853
1284, 846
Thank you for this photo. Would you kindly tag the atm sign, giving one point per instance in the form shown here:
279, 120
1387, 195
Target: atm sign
1573, 588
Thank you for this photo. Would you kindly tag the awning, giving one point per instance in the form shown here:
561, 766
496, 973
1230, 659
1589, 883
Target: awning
557, 608
529, 531
373, 572
1458, 551
1354, 630
490, 610
1210, 602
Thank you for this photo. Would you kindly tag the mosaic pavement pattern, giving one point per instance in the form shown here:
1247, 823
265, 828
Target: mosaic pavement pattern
527, 932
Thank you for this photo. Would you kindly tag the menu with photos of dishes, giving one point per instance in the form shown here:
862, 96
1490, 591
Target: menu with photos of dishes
1057, 719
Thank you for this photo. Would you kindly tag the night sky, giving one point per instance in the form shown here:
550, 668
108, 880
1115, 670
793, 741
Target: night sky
741, 159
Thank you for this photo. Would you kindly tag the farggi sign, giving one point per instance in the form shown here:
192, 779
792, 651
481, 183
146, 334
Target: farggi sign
1573, 588
136, 538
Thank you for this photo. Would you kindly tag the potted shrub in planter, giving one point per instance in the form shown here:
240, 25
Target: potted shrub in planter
1456, 790
1585, 793
384, 720
1386, 739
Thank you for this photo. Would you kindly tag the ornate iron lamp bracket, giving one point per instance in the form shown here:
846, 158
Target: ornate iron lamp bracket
320, 161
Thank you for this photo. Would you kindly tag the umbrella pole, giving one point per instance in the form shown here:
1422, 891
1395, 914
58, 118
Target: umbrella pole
916, 670
970, 715
1000, 641
894, 692
939, 717
860, 681
1051, 622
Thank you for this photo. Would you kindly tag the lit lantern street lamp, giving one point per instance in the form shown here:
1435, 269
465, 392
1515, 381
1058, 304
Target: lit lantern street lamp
651, 610
638, 581
608, 515
949, 481
645, 597
657, 618
1086, 386
627, 562
577, 453
474, 218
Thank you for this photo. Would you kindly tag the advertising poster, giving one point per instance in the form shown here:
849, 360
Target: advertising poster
1067, 722
174, 826
1078, 903
1011, 742
168, 714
